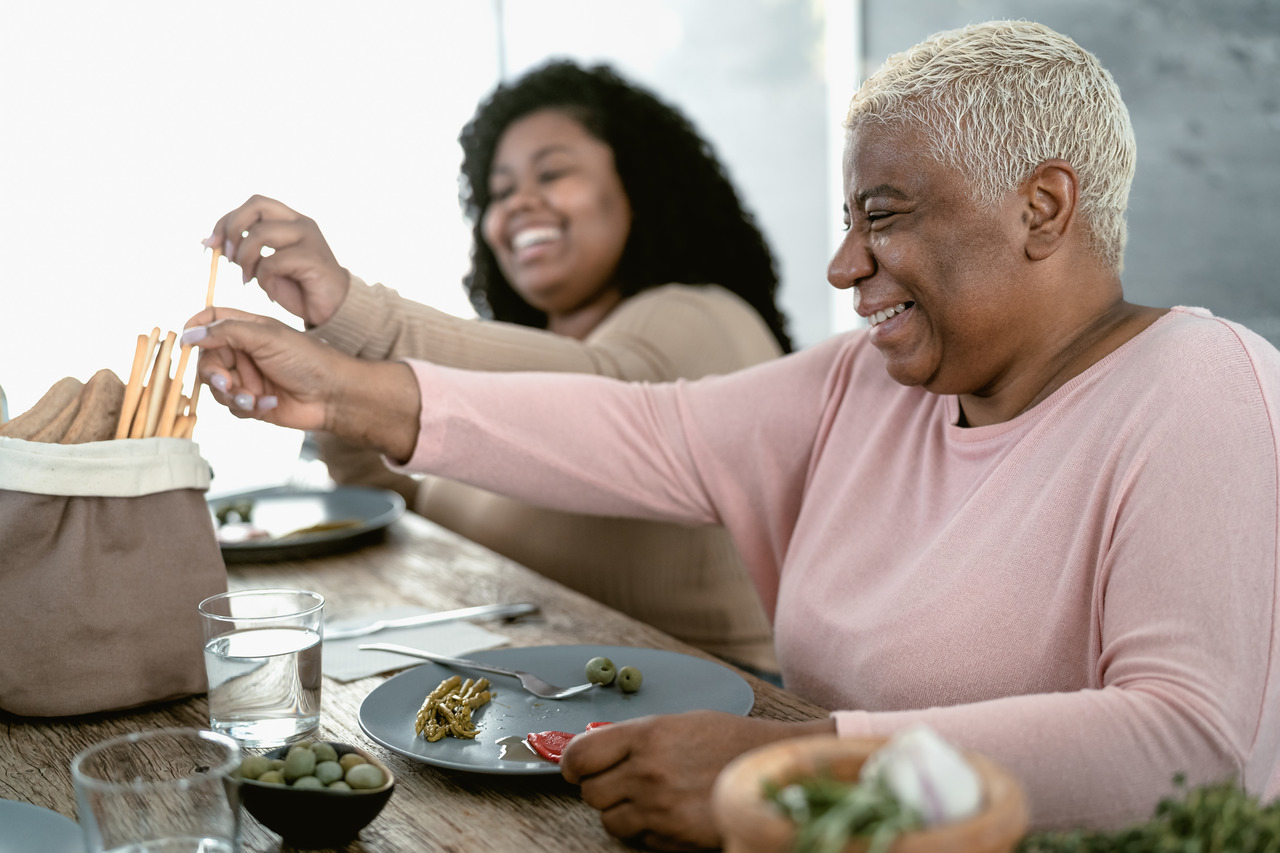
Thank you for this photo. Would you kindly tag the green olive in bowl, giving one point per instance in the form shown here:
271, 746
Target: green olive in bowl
311, 800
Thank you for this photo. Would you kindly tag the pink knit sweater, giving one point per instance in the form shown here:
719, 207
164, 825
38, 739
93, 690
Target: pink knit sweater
1086, 593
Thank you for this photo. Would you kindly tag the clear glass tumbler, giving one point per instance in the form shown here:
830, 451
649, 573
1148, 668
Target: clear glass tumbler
262, 659
159, 791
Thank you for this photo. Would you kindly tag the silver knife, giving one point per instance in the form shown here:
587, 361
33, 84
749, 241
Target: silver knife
507, 610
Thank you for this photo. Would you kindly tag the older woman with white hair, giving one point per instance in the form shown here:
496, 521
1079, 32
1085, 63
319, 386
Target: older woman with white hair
1017, 508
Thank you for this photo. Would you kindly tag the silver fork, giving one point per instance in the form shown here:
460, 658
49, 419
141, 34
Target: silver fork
529, 681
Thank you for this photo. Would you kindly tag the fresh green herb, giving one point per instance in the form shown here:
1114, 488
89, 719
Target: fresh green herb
828, 812
1219, 818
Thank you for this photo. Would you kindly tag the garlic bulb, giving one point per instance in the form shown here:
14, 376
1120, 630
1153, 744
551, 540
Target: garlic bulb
926, 774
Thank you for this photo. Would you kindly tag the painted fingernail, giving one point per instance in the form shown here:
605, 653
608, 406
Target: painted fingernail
244, 401
227, 248
194, 335
207, 242
219, 381
268, 402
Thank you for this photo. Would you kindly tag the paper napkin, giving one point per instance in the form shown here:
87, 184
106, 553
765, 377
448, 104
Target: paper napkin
343, 660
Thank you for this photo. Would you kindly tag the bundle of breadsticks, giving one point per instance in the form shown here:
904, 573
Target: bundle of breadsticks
151, 404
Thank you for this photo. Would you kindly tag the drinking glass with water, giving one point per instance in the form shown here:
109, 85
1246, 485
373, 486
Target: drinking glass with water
262, 659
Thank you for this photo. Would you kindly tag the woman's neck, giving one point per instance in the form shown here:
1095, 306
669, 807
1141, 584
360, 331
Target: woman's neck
584, 319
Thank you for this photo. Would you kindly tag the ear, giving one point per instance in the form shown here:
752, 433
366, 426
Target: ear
1049, 196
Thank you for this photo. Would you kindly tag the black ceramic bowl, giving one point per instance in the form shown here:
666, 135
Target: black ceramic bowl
316, 817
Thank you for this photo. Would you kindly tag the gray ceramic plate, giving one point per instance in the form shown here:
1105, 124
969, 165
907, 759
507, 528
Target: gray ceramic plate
26, 828
672, 683
362, 512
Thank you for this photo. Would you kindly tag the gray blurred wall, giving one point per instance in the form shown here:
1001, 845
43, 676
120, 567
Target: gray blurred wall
1202, 82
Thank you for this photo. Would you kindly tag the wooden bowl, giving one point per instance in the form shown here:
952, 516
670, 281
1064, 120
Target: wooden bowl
751, 824
316, 817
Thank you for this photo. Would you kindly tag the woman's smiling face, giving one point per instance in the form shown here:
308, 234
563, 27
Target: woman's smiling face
559, 217
935, 273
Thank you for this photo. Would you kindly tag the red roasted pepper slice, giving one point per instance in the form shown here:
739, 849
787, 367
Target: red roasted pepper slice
550, 745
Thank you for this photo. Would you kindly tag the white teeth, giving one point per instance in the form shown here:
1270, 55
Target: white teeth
533, 236
880, 316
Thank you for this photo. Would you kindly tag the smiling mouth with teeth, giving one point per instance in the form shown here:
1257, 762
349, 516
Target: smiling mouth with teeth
880, 316
533, 236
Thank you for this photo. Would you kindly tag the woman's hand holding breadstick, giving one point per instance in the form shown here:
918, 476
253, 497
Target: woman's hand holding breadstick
260, 368
301, 273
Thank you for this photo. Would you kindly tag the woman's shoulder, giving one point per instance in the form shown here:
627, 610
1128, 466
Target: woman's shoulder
704, 324
1195, 369
706, 297
1193, 342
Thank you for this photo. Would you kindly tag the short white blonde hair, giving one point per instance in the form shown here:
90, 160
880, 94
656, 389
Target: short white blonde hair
998, 99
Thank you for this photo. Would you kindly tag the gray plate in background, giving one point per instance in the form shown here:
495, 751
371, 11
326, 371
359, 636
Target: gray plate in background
25, 828
281, 510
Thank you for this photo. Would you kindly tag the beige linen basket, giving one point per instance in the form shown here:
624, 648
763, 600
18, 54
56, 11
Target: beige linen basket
106, 548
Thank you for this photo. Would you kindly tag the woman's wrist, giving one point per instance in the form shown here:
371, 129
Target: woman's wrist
377, 405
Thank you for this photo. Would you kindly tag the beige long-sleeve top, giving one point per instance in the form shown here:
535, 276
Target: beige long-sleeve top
686, 580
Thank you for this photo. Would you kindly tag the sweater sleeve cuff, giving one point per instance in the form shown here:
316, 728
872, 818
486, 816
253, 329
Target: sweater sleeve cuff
348, 329
430, 421
853, 724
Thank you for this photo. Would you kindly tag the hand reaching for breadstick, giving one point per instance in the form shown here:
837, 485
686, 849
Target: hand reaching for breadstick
300, 274
261, 368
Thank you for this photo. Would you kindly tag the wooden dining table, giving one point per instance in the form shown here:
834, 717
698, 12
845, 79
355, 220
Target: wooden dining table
416, 563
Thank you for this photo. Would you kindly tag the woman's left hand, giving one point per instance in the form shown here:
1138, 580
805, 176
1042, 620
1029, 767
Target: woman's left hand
651, 778
260, 368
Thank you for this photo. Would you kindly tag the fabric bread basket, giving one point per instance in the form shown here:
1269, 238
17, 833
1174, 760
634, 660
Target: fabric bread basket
106, 548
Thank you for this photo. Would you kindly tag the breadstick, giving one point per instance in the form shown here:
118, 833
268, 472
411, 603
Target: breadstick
159, 384
139, 424
213, 276
133, 391
189, 422
195, 397
171, 401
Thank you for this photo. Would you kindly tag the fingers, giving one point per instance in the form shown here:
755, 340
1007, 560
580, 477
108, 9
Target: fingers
234, 380
228, 348
228, 232
288, 256
210, 315
593, 752
277, 235
652, 777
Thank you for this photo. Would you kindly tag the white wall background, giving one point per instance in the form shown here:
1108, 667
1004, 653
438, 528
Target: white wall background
129, 128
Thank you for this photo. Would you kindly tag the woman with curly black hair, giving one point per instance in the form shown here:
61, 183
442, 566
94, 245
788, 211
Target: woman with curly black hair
688, 224
608, 240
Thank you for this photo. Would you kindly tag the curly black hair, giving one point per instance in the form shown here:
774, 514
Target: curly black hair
688, 224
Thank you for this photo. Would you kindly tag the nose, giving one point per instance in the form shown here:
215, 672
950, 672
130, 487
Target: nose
853, 262
524, 195
521, 198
